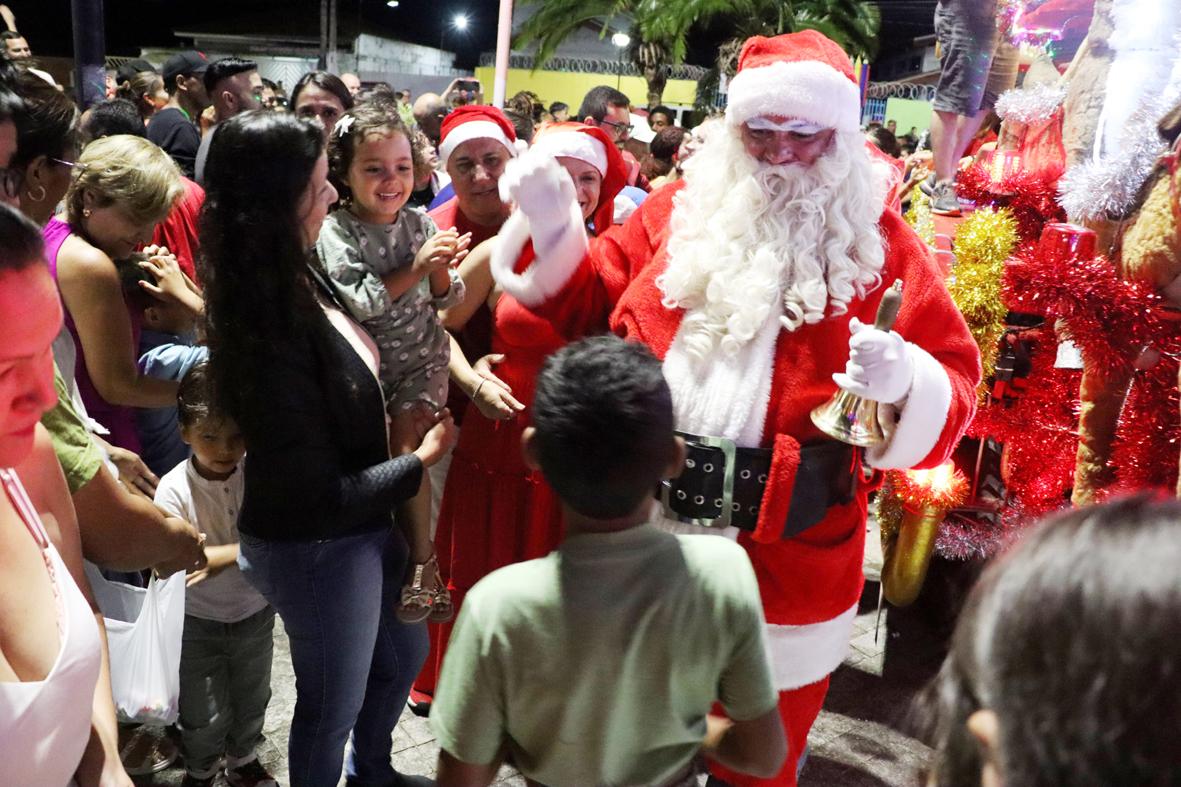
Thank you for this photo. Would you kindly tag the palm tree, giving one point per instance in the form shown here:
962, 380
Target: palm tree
853, 24
659, 28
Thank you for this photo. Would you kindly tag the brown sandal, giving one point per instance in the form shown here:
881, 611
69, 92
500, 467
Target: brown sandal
442, 610
417, 599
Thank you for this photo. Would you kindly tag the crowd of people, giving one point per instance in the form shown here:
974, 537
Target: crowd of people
460, 394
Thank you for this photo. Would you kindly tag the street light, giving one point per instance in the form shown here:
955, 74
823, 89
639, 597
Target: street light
460, 21
621, 40
392, 3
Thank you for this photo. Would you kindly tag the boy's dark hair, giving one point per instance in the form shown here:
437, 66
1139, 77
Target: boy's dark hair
604, 425
667, 142
661, 109
111, 117
522, 125
21, 244
368, 117
194, 398
224, 69
557, 107
1073, 639
595, 103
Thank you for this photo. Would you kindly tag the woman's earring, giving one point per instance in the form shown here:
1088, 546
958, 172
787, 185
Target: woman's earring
86, 212
39, 198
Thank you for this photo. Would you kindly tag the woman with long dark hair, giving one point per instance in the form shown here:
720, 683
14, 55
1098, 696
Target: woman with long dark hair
299, 377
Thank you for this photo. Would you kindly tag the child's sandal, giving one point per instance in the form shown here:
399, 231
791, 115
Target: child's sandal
442, 609
417, 600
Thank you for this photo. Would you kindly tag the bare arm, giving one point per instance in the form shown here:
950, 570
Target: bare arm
47, 489
756, 747
125, 532
9, 17
456, 773
91, 291
476, 273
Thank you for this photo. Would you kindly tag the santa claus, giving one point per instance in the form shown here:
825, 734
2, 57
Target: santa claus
757, 280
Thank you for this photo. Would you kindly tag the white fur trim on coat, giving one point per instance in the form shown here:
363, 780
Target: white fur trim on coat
558, 255
802, 655
807, 90
923, 416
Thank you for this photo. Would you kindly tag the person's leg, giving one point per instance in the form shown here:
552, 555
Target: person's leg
967, 35
204, 703
944, 143
798, 708
323, 591
398, 655
251, 649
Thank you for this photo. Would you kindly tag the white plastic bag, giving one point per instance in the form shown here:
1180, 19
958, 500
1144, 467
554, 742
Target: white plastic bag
144, 631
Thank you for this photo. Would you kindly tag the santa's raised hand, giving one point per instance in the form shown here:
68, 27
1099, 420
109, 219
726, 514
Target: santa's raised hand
880, 365
540, 187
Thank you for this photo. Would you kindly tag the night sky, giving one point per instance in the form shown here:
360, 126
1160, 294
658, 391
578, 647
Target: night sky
134, 23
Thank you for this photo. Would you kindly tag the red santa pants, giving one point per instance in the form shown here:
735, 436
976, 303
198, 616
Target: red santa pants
798, 708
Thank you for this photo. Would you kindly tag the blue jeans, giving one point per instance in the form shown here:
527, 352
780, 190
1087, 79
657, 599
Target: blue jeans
353, 660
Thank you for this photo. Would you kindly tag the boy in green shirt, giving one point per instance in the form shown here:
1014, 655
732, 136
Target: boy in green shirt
599, 663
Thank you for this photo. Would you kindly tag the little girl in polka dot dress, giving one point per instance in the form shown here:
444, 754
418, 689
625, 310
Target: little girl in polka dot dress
393, 270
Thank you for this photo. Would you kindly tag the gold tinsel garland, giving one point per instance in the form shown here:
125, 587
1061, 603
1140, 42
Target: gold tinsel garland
919, 216
982, 244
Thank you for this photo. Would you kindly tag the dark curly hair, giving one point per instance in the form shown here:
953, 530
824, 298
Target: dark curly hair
375, 117
1073, 640
258, 292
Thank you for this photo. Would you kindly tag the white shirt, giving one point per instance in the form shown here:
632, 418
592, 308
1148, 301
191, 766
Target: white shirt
212, 507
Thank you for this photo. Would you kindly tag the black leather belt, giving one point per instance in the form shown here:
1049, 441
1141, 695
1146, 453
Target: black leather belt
722, 485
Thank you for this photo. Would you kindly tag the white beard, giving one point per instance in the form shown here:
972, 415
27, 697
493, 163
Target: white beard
750, 242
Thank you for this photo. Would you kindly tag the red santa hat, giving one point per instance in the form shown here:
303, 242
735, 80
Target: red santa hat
475, 121
589, 144
805, 76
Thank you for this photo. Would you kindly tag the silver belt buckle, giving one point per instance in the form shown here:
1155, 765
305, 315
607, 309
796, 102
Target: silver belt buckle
728, 455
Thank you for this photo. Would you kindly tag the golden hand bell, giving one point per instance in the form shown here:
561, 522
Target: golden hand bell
848, 417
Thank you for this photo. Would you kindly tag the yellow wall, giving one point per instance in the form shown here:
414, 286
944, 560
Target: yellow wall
570, 87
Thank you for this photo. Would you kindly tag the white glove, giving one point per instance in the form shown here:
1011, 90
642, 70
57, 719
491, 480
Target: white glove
541, 188
880, 365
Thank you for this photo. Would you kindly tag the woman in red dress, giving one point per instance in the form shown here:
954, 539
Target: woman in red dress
496, 511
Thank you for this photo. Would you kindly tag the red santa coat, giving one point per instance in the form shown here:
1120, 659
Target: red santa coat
810, 584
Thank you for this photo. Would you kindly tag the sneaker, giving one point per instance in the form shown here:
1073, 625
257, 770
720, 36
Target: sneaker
944, 202
928, 185
250, 774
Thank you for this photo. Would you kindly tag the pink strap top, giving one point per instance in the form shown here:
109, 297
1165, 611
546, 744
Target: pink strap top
45, 724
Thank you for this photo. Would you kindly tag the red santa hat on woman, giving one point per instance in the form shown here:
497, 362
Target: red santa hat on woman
593, 146
475, 121
803, 76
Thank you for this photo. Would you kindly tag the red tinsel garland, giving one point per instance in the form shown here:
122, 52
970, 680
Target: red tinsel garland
1039, 432
1108, 318
1146, 448
1031, 196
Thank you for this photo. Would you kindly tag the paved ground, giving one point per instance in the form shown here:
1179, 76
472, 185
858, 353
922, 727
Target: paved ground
863, 738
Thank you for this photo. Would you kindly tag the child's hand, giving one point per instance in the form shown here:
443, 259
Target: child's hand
171, 282
217, 560
492, 396
438, 440
444, 248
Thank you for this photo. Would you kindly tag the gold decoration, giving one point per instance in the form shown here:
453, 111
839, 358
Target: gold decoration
982, 244
912, 507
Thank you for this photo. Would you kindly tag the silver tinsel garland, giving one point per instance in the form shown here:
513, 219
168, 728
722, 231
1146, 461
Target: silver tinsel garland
1035, 104
1108, 188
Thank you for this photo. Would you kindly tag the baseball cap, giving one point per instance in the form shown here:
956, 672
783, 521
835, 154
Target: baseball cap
127, 71
188, 63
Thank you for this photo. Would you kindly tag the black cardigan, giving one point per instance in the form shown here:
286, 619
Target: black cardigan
317, 462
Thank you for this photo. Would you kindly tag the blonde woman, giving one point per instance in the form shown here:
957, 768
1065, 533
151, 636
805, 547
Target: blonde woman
122, 187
